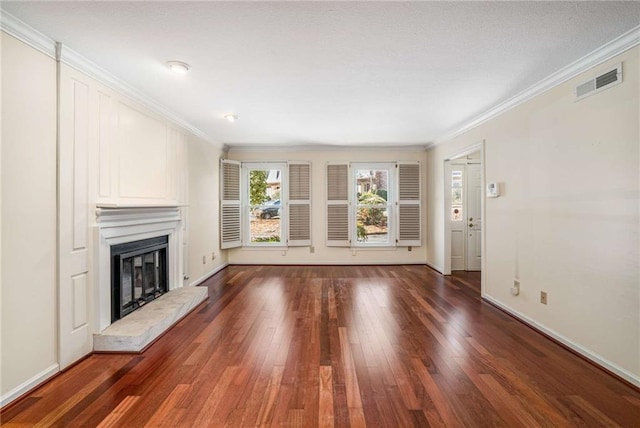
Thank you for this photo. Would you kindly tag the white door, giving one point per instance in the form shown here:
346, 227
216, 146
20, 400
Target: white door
457, 217
473, 217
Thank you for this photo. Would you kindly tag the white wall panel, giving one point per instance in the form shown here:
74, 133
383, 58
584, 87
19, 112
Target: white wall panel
28, 218
80, 298
79, 162
105, 141
76, 112
203, 212
143, 165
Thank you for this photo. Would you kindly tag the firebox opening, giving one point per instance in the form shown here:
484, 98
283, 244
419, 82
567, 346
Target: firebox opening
138, 274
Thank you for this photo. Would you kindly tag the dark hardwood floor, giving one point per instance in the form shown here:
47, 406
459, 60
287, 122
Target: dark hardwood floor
393, 346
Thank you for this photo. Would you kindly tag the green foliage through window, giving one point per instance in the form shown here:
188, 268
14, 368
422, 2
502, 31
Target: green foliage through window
369, 216
258, 186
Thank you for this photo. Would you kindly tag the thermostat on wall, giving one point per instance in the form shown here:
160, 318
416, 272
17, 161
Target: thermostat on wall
493, 190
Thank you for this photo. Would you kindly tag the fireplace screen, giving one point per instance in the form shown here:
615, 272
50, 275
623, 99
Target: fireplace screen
138, 274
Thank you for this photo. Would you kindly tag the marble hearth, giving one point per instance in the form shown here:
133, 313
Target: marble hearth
137, 330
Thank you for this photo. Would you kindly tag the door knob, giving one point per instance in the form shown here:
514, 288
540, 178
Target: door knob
470, 218
470, 224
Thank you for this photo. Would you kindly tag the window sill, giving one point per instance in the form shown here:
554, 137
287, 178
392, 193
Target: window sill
374, 248
264, 247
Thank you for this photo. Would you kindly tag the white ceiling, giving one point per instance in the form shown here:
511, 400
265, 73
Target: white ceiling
338, 73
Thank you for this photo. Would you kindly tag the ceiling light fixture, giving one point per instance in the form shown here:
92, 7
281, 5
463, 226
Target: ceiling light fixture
231, 117
178, 67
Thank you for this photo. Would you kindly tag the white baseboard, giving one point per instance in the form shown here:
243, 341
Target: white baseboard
434, 267
328, 263
592, 356
207, 275
28, 385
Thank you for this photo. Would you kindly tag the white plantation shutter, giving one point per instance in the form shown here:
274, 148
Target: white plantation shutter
230, 206
299, 204
338, 204
409, 209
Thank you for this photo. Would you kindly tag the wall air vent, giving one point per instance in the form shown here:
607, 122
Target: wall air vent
600, 83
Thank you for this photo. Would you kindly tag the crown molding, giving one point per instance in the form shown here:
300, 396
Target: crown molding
607, 51
74, 59
32, 37
27, 34
326, 147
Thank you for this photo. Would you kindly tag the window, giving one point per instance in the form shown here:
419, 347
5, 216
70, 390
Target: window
456, 196
264, 216
265, 204
373, 204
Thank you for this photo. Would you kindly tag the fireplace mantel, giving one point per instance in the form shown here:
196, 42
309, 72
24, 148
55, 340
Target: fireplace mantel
125, 223
120, 215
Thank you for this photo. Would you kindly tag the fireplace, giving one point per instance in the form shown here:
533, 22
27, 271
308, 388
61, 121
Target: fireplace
118, 231
138, 274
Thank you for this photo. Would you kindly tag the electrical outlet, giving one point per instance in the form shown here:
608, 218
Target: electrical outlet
515, 290
312, 249
204, 260
213, 255
543, 297
409, 248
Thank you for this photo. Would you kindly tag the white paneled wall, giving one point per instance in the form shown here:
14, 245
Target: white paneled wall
139, 155
112, 152
74, 244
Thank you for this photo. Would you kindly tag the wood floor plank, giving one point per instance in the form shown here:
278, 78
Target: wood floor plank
347, 346
325, 408
113, 419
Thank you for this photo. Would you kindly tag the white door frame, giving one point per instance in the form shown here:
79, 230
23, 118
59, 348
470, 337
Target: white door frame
447, 208
470, 260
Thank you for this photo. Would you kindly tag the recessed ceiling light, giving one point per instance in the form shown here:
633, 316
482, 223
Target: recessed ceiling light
231, 117
178, 67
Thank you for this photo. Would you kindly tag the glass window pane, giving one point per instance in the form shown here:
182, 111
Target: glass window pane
137, 277
372, 225
265, 206
149, 273
126, 286
372, 208
372, 186
456, 196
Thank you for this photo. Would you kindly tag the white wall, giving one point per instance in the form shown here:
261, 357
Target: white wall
112, 151
203, 219
568, 218
28, 289
323, 254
